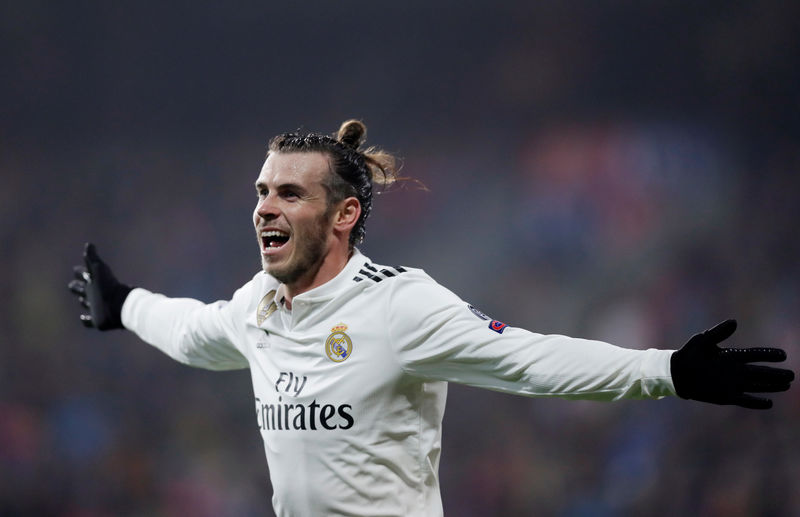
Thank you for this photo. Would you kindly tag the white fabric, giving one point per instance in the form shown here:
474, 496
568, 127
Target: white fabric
362, 435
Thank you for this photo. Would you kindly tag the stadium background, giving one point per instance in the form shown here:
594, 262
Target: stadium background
620, 170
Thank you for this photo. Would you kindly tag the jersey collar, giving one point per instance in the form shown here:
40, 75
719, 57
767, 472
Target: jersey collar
330, 288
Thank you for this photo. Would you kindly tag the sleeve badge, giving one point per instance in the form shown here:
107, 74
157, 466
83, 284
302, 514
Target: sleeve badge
497, 326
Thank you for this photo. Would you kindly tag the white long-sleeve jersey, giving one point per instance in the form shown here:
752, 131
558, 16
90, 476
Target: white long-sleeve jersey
350, 384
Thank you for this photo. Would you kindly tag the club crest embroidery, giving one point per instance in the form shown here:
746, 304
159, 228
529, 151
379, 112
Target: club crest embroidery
264, 308
338, 346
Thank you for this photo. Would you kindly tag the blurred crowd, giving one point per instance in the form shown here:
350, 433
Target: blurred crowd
616, 172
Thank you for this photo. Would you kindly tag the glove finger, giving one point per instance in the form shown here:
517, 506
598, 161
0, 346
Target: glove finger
83, 302
81, 273
720, 332
754, 355
751, 402
77, 287
90, 256
92, 259
755, 373
97, 268
86, 319
767, 387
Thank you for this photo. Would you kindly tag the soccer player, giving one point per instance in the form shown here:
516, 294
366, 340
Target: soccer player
350, 359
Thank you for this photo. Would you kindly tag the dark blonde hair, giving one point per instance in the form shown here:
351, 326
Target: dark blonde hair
354, 171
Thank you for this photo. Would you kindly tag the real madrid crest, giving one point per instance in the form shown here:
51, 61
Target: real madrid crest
338, 346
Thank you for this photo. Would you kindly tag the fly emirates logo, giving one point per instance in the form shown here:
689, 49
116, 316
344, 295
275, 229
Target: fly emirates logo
283, 416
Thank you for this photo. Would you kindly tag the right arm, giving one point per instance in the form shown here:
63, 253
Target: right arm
189, 331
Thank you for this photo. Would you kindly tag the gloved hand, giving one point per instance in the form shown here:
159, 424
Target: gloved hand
99, 291
703, 371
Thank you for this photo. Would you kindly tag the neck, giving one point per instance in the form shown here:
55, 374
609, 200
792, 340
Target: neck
331, 265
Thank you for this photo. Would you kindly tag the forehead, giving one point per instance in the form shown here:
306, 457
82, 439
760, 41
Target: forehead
304, 169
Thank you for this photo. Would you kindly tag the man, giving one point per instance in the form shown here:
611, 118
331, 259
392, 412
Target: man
350, 359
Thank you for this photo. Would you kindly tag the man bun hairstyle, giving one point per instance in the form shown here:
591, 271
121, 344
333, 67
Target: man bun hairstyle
354, 171
352, 133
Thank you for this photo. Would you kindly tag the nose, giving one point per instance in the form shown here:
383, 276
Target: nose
267, 208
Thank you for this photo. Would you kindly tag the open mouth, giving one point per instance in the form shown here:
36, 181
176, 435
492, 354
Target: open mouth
273, 239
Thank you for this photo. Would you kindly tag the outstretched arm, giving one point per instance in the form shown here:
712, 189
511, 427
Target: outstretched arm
704, 371
448, 341
188, 330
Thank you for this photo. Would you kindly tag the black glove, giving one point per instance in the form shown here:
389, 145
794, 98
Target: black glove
703, 371
99, 291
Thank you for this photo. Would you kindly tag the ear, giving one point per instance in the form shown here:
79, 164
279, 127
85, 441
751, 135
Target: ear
347, 214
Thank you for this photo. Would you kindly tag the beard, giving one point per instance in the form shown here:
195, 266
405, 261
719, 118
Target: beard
307, 256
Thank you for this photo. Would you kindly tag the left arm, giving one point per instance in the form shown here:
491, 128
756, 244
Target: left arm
436, 335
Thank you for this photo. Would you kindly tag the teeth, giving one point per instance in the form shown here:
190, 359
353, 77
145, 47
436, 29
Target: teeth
274, 233
270, 236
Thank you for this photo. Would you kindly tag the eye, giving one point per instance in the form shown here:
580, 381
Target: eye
290, 195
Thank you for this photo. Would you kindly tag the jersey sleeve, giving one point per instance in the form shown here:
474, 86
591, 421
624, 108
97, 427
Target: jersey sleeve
436, 335
188, 330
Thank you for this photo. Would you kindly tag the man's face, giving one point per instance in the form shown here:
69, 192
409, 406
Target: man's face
292, 221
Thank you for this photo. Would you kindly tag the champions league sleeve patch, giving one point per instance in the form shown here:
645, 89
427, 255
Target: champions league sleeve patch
497, 326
